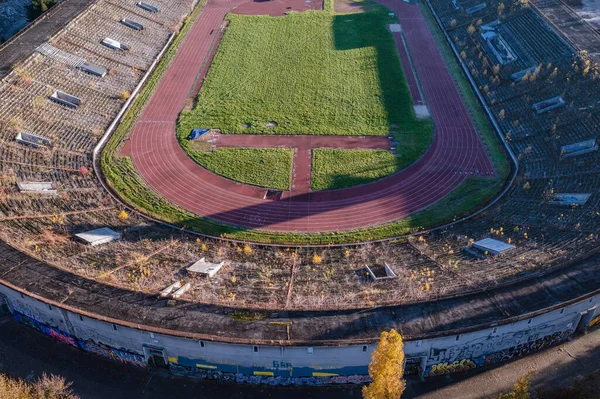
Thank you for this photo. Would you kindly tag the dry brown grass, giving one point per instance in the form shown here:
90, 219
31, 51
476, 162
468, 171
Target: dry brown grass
46, 387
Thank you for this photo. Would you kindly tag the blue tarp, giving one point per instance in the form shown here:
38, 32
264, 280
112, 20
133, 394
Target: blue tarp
197, 133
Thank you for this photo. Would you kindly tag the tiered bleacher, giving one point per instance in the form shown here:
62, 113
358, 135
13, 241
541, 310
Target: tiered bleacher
544, 97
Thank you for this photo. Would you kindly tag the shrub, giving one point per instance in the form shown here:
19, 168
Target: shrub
46, 387
123, 215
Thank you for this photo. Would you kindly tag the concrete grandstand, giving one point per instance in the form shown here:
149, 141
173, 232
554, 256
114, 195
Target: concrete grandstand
294, 314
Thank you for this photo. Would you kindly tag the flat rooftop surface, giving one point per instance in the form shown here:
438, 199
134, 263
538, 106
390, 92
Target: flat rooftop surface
213, 322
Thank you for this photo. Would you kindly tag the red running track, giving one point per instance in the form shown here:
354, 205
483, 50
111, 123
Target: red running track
456, 151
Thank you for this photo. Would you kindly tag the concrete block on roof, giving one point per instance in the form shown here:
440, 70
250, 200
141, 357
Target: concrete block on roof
548, 104
93, 69
99, 236
580, 148
205, 268
167, 291
378, 273
476, 8
146, 6
37, 187
177, 294
493, 246
570, 199
132, 24
114, 44
65, 99
32, 139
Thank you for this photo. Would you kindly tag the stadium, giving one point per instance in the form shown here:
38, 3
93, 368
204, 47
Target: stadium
253, 191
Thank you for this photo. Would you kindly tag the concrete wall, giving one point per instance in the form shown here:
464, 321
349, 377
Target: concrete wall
429, 357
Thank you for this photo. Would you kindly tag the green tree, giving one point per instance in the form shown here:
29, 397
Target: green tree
520, 389
386, 369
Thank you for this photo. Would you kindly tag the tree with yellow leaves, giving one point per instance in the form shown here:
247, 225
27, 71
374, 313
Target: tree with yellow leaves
386, 368
520, 389
123, 215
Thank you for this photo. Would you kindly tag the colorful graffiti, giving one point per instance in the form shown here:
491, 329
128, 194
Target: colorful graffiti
120, 355
595, 322
193, 372
100, 349
481, 358
25, 311
526, 348
55, 333
60, 336
454, 367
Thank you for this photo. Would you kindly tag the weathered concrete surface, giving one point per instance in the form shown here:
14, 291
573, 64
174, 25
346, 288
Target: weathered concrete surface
414, 321
25, 353
581, 34
23, 45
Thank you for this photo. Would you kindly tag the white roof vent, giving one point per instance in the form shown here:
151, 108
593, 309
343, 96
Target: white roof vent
46, 188
113, 44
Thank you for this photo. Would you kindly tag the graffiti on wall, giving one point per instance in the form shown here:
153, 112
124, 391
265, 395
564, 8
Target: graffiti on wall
277, 365
194, 372
91, 346
55, 333
24, 310
120, 355
526, 348
454, 367
477, 354
595, 322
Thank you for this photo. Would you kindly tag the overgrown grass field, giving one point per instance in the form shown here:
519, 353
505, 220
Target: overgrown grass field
339, 168
263, 167
308, 73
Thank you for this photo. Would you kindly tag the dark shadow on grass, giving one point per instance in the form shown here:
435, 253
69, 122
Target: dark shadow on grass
341, 181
